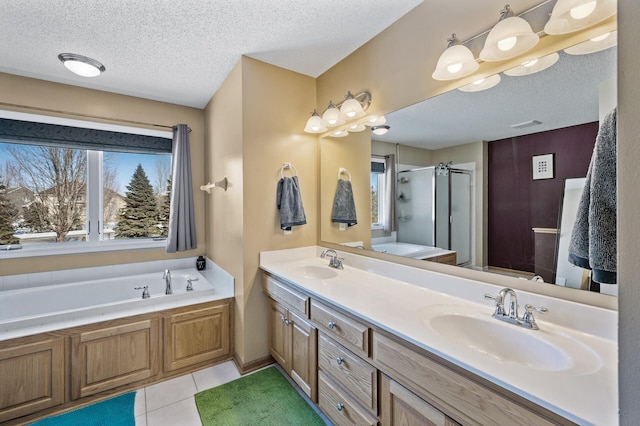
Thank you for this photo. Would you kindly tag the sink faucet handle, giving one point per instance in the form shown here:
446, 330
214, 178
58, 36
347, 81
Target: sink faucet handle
145, 291
530, 308
499, 303
528, 319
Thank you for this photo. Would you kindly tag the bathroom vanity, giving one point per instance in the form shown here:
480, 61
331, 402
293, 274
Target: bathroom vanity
378, 343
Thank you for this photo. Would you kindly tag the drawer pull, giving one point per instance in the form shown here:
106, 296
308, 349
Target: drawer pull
339, 360
340, 406
285, 321
331, 325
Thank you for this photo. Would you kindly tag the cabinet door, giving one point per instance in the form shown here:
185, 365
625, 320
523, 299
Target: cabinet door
303, 354
279, 340
399, 406
31, 377
195, 337
109, 357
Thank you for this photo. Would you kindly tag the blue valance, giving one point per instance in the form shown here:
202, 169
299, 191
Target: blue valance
28, 132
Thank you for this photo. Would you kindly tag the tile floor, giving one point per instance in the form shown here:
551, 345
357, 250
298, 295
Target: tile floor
171, 403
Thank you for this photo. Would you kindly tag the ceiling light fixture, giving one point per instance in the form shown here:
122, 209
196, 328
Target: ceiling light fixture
573, 15
380, 130
482, 84
594, 45
533, 66
510, 37
456, 61
81, 65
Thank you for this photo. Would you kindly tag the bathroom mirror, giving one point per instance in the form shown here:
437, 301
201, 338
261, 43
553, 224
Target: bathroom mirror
460, 127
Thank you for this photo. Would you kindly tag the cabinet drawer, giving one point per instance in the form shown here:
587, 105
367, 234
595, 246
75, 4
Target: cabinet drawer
358, 377
283, 293
464, 399
341, 409
351, 333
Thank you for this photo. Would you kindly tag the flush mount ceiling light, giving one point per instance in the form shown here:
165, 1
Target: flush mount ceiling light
510, 37
81, 65
594, 45
380, 130
533, 66
482, 84
574, 15
315, 124
456, 61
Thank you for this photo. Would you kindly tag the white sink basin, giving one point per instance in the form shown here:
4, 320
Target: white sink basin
479, 333
315, 272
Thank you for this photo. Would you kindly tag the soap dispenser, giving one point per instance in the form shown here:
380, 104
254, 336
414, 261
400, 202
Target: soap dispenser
200, 263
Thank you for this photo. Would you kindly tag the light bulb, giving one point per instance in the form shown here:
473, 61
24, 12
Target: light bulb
601, 37
529, 63
454, 68
479, 81
507, 43
584, 10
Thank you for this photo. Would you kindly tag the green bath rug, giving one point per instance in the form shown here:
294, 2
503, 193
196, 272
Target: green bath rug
116, 411
263, 398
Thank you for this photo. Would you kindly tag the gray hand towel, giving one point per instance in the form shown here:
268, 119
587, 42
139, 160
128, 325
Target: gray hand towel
593, 240
344, 208
289, 203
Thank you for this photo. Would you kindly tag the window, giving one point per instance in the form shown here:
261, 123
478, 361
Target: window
378, 189
56, 196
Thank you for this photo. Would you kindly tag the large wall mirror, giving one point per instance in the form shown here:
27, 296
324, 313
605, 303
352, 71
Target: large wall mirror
503, 218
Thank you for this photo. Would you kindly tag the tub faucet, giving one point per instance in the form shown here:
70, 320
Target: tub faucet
167, 281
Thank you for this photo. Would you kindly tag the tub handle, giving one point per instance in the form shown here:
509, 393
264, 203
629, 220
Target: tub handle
145, 291
190, 283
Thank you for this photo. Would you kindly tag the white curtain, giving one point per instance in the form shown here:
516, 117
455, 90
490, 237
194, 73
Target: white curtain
182, 224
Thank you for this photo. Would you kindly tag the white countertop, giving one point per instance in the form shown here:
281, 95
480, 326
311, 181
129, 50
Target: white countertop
399, 299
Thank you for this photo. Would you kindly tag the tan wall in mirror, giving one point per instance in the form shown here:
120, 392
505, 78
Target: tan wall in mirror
47, 98
472, 153
405, 154
254, 125
346, 152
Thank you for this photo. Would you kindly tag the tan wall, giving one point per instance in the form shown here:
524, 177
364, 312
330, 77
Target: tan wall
348, 153
46, 98
628, 207
255, 124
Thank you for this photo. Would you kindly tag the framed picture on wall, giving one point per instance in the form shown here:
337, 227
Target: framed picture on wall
542, 166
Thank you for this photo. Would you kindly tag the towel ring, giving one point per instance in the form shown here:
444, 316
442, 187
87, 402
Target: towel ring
342, 171
288, 166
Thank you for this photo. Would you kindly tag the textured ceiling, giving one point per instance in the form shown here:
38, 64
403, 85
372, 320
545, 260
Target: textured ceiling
181, 52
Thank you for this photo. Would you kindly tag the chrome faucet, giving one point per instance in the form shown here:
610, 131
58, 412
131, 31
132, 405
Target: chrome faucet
527, 320
167, 281
335, 262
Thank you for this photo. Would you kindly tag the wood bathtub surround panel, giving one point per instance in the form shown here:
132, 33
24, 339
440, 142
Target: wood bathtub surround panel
105, 358
448, 259
195, 337
351, 372
37, 369
304, 354
400, 406
339, 407
283, 293
345, 329
457, 395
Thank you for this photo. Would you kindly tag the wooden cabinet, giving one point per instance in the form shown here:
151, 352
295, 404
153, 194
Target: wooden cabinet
196, 336
36, 369
110, 356
400, 406
339, 406
292, 338
350, 332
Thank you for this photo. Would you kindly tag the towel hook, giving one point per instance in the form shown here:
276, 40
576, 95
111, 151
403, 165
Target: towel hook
342, 171
223, 183
288, 166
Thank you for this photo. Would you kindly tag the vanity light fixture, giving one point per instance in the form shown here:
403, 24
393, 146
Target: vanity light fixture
376, 121
339, 133
331, 117
482, 84
574, 15
380, 130
510, 37
595, 44
315, 124
533, 66
356, 128
456, 61
351, 108
81, 65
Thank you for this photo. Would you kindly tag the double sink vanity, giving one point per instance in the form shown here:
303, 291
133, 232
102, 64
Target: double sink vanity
377, 342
